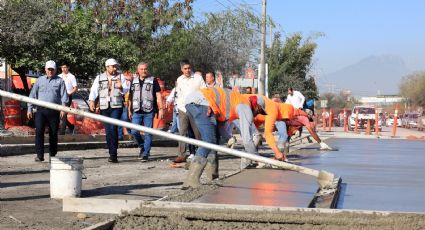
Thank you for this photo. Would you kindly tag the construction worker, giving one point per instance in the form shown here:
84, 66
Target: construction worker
277, 113
301, 119
208, 106
109, 87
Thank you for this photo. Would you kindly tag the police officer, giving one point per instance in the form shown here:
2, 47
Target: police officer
109, 87
145, 101
50, 88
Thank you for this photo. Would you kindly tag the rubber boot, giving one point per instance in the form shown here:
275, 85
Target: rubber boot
195, 171
211, 169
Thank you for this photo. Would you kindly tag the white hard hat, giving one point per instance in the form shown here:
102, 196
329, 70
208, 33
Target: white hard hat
50, 65
111, 61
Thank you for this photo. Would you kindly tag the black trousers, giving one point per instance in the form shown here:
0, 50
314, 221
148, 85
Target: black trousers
64, 123
50, 118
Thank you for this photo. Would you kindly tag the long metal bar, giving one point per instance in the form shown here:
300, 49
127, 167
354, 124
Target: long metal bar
324, 178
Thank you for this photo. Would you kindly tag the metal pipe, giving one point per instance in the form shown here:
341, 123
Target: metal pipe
324, 178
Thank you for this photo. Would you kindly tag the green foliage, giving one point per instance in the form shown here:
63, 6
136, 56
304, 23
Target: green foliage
412, 87
340, 100
85, 33
289, 65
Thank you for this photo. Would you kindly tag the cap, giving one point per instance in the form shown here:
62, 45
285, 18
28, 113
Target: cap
262, 104
50, 65
111, 61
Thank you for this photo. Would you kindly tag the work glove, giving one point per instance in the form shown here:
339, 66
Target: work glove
324, 146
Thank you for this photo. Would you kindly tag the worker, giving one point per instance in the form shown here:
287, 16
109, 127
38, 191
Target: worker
208, 106
109, 87
301, 119
277, 114
295, 98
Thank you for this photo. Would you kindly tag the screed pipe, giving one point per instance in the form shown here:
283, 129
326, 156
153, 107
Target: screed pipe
324, 178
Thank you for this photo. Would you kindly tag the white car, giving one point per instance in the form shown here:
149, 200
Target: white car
390, 121
365, 113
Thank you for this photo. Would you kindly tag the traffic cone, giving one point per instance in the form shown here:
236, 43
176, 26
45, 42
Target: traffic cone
368, 127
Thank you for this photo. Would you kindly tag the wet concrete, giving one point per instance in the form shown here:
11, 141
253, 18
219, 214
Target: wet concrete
385, 175
269, 187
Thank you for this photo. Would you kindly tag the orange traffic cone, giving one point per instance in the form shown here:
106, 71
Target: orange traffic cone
368, 129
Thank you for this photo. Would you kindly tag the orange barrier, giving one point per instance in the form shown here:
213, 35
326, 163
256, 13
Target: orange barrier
345, 121
368, 129
324, 119
376, 123
395, 123
71, 117
330, 120
12, 113
168, 113
357, 122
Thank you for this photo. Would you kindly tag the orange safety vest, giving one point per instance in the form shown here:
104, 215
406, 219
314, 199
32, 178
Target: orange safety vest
223, 102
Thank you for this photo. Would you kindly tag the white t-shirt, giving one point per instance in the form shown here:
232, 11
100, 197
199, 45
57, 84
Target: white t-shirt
296, 100
186, 86
70, 81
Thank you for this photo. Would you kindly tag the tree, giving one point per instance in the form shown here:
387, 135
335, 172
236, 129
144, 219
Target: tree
85, 32
412, 87
340, 100
25, 28
289, 65
226, 41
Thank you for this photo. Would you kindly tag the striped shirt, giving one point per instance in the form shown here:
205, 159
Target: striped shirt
50, 90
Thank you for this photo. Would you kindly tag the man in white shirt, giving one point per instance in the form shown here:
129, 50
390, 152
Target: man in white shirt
295, 98
71, 88
186, 84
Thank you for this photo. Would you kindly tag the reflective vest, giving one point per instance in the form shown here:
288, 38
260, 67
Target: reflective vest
223, 102
143, 96
112, 97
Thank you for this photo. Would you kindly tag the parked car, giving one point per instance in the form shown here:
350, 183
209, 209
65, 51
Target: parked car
365, 113
410, 120
390, 121
421, 121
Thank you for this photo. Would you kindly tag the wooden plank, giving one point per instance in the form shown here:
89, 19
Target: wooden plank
106, 206
116, 206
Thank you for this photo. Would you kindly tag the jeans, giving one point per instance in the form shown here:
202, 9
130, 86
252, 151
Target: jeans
124, 117
146, 119
50, 117
175, 127
282, 131
186, 128
208, 124
112, 130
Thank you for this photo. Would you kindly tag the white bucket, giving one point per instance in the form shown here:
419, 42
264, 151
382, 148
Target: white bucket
65, 177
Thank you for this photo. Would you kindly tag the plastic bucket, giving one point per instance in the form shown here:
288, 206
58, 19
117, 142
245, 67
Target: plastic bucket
65, 177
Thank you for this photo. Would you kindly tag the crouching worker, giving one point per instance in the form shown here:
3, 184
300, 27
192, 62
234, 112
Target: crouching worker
208, 106
301, 119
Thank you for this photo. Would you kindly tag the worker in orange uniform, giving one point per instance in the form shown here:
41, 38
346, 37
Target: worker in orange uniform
208, 106
301, 119
277, 114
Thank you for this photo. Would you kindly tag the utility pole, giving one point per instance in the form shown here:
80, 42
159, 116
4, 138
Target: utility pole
261, 77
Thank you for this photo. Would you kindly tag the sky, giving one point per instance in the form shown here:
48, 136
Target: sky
354, 29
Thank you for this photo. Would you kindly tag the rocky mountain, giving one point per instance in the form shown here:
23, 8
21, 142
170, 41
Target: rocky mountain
370, 76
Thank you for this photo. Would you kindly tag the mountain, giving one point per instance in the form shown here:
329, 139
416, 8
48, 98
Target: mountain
370, 76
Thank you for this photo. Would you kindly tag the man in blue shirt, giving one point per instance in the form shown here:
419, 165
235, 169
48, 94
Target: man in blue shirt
49, 88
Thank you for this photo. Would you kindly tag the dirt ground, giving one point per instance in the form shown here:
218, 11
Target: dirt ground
24, 185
